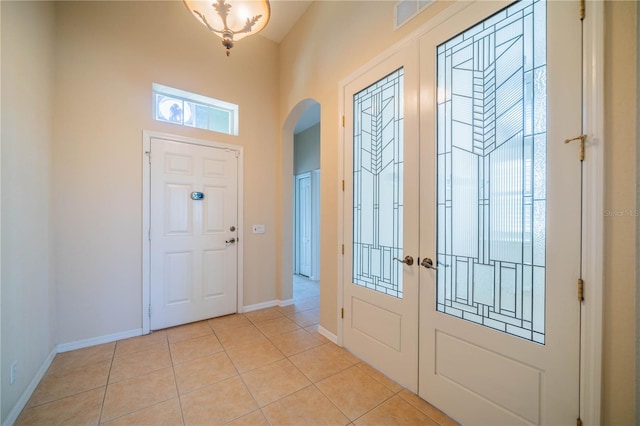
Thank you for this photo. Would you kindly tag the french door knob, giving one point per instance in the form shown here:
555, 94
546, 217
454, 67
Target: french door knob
428, 263
408, 260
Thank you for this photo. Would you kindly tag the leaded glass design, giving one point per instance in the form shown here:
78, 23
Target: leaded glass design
491, 133
377, 185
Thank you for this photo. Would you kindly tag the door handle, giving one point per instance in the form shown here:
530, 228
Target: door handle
230, 241
408, 260
428, 263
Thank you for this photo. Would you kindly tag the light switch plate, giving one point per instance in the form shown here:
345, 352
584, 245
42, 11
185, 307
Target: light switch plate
258, 229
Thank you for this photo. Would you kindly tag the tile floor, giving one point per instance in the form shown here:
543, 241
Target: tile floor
266, 367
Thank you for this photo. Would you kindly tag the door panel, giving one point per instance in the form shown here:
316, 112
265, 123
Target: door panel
381, 216
193, 260
500, 207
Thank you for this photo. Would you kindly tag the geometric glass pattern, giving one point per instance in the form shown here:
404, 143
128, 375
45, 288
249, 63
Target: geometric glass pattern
377, 184
491, 161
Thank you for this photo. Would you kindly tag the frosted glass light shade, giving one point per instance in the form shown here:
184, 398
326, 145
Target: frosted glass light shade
231, 20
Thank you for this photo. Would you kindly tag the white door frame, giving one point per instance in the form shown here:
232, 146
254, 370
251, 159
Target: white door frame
147, 135
593, 199
297, 222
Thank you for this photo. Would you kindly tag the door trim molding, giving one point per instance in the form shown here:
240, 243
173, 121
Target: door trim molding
593, 201
147, 135
593, 219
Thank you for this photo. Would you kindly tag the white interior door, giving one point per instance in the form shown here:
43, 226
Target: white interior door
193, 247
303, 224
500, 206
380, 294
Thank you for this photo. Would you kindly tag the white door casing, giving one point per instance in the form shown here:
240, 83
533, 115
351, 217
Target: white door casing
382, 328
192, 252
474, 373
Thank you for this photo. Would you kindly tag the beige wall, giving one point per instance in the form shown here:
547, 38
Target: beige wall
28, 295
108, 55
306, 152
319, 53
620, 196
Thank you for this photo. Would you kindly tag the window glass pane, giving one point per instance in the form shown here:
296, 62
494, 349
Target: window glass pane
190, 109
378, 185
491, 159
219, 120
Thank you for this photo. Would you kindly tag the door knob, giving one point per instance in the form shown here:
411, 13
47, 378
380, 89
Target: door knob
408, 260
428, 263
230, 241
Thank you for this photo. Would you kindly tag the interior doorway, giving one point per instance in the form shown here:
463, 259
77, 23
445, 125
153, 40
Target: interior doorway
306, 202
300, 186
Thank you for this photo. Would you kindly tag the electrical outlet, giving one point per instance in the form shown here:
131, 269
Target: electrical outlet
258, 229
12, 372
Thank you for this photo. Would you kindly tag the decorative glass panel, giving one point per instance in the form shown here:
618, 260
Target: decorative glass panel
492, 172
377, 185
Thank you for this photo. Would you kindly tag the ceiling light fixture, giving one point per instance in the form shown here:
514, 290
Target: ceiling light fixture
231, 20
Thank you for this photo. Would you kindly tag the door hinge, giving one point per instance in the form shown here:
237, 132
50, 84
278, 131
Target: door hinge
149, 234
582, 12
343, 121
341, 312
578, 421
580, 138
343, 185
580, 290
343, 249
148, 153
149, 310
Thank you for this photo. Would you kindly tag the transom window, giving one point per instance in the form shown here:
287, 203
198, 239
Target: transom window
190, 109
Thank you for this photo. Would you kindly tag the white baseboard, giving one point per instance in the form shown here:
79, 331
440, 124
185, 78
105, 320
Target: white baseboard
329, 335
24, 398
263, 305
93, 341
286, 302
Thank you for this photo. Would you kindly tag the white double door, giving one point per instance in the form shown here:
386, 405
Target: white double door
462, 214
193, 235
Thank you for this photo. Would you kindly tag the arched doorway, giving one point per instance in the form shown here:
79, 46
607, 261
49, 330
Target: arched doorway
301, 130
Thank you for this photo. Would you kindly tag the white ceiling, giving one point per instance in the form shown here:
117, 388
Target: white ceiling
284, 15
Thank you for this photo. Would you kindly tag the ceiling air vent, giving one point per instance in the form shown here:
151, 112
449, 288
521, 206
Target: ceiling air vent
407, 9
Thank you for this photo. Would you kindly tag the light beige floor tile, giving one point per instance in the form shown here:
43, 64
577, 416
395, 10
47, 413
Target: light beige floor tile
395, 411
354, 392
240, 336
263, 314
131, 395
167, 413
295, 342
138, 363
82, 357
188, 331
194, 348
274, 381
427, 408
390, 384
70, 381
217, 404
228, 321
254, 355
321, 362
288, 309
80, 409
203, 371
305, 318
313, 330
305, 407
276, 326
154, 340
252, 419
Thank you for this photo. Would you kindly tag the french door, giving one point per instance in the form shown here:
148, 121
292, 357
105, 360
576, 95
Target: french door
381, 217
496, 241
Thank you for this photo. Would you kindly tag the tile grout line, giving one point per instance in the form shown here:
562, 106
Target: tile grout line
106, 385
